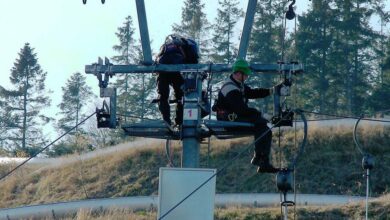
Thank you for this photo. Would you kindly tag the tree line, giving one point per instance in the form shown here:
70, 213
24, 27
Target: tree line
346, 59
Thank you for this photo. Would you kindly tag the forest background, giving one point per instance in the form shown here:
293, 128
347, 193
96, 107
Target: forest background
344, 46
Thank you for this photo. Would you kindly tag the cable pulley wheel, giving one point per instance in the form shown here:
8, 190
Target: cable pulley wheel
368, 162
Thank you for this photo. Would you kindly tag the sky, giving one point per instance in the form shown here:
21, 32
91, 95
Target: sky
67, 35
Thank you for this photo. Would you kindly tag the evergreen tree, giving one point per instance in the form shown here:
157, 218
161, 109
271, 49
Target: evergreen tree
223, 44
384, 16
24, 102
133, 89
143, 90
265, 44
357, 41
379, 99
315, 37
339, 50
195, 25
6, 120
228, 15
75, 95
126, 55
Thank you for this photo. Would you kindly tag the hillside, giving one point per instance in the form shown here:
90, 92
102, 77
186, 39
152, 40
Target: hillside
330, 165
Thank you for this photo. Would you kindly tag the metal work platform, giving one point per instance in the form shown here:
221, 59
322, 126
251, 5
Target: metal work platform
220, 129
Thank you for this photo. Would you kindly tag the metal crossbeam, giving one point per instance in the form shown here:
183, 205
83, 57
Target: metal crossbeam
215, 68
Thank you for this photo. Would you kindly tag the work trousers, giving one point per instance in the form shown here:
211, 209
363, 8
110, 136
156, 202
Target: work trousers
263, 144
164, 80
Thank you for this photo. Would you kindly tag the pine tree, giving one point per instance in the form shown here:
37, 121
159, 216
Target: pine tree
194, 25
357, 40
6, 120
379, 99
265, 44
24, 103
223, 44
315, 37
228, 15
133, 89
145, 91
75, 95
126, 55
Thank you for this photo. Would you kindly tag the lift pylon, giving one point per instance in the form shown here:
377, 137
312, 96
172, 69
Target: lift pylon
194, 128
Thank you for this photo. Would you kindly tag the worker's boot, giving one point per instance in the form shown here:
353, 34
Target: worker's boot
263, 164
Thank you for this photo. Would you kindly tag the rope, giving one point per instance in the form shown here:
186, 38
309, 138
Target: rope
34, 155
227, 164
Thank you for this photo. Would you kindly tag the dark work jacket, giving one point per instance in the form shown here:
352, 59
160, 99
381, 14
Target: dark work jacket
233, 98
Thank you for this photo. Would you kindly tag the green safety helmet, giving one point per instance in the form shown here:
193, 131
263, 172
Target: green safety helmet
242, 66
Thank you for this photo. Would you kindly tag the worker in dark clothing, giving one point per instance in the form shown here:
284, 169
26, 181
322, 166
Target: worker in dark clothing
232, 105
175, 50
171, 52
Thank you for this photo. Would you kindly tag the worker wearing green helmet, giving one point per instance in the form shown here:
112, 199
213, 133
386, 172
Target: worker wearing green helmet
232, 105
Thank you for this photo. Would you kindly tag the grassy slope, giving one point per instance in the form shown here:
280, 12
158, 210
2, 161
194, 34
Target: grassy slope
330, 164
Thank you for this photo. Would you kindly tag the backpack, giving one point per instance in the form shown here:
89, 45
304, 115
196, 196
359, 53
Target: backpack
178, 50
191, 51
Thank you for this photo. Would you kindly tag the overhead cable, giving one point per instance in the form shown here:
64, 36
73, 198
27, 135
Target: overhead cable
346, 116
40, 151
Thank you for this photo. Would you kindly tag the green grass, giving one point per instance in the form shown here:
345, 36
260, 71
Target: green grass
330, 164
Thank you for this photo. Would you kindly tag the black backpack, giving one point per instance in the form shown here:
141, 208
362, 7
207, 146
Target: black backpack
191, 51
178, 50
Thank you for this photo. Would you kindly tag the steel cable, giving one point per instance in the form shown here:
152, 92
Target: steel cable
40, 151
345, 116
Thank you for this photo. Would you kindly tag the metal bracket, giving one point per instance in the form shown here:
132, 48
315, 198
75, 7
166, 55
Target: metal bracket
283, 116
106, 116
103, 77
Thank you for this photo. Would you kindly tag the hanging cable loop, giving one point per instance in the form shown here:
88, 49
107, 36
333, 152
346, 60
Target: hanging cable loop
360, 149
304, 140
